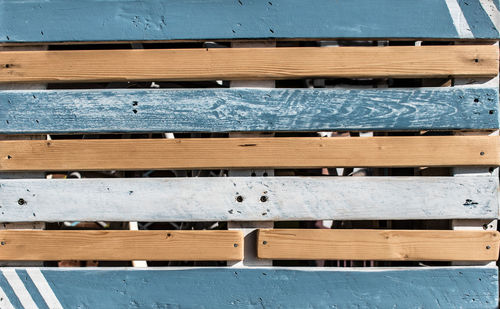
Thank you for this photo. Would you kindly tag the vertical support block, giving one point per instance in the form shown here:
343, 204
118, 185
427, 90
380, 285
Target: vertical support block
249, 228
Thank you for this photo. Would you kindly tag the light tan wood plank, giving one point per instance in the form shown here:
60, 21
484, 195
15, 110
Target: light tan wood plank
382, 245
247, 63
196, 153
121, 245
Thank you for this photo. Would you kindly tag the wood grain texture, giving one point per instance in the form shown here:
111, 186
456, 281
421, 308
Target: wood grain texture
103, 288
214, 153
247, 63
215, 199
229, 110
383, 245
97, 20
114, 245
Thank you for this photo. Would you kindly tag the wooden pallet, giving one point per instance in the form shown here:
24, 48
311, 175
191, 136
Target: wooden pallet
239, 98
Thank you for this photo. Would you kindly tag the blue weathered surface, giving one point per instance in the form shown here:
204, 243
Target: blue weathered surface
124, 20
465, 287
225, 110
480, 22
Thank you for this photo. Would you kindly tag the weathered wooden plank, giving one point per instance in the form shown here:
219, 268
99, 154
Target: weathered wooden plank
115, 245
384, 245
262, 199
247, 63
214, 153
227, 110
423, 287
94, 20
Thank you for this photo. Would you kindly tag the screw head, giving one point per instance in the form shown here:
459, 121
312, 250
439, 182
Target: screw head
264, 242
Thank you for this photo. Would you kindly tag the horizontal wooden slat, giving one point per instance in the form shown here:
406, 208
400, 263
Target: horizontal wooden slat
247, 63
95, 20
423, 287
226, 110
213, 153
116, 245
384, 245
262, 199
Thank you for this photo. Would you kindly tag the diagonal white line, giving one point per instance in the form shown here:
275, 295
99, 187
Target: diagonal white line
4, 300
492, 12
44, 288
19, 288
459, 20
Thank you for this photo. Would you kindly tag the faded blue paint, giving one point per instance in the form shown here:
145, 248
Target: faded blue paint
32, 289
9, 292
224, 110
479, 21
123, 20
465, 287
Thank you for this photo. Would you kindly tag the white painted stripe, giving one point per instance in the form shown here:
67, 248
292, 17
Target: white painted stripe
4, 301
492, 12
44, 288
459, 20
19, 288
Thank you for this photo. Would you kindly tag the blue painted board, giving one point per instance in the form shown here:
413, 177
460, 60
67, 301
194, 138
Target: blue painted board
480, 21
125, 20
225, 110
461, 287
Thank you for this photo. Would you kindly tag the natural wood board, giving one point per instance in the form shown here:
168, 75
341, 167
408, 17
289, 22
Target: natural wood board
247, 63
216, 199
237, 109
115, 245
383, 245
213, 153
